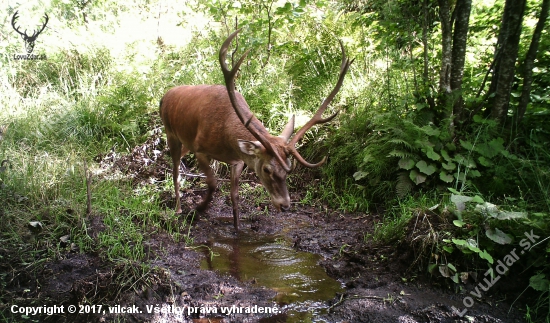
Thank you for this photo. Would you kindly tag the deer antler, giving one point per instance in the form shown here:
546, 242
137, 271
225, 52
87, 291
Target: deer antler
13, 19
35, 34
241, 108
24, 34
318, 116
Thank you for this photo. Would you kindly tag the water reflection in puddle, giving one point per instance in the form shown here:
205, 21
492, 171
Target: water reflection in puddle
302, 285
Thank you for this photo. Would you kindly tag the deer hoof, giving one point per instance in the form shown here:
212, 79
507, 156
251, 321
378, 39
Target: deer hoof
202, 207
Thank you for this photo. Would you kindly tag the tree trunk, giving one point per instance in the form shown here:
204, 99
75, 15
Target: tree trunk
425, 72
460, 36
530, 59
508, 41
446, 54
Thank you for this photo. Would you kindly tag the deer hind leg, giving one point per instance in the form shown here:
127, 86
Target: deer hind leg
204, 165
177, 150
236, 171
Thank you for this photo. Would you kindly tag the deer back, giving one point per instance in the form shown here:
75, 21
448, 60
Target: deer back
202, 118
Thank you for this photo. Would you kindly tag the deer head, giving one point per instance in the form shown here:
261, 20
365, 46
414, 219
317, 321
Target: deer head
29, 40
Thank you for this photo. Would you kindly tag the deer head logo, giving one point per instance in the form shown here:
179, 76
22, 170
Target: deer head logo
29, 40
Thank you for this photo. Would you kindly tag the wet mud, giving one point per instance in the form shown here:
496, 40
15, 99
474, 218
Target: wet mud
309, 264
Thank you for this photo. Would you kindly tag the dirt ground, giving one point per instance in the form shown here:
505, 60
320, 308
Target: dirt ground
381, 283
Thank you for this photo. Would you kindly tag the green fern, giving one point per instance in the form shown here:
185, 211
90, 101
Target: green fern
404, 184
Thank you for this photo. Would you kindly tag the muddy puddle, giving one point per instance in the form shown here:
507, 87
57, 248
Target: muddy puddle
302, 285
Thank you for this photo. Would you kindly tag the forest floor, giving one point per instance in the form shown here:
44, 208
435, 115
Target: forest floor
380, 283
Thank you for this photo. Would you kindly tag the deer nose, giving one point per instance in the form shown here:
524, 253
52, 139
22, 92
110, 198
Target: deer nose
285, 208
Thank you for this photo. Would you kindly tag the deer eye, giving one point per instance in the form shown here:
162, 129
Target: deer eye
268, 170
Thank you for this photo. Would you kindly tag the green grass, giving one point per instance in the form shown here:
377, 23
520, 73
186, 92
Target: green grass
99, 91
392, 228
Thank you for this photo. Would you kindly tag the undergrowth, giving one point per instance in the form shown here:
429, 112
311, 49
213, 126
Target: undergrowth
471, 192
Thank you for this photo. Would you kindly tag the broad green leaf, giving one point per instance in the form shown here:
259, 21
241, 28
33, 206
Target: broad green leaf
492, 148
470, 244
431, 131
431, 154
406, 163
446, 155
484, 161
459, 159
449, 166
498, 236
452, 267
360, 175
506, 154
474, 173
477, 118
488, 209
497, 144
459, 242
466, 161
450, 146
424, 144
507, 215
454, 278
467, 145
485, 255
470, 162
473, 248
448, 249
460, 201
477, 199
416, 177
452, 190
446, 177
459, 223
425, 168
431, 268
539, 283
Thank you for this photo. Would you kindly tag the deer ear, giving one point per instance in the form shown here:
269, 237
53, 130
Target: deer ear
251, 148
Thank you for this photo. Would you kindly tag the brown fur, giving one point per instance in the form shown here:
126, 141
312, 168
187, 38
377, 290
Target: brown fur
202, 120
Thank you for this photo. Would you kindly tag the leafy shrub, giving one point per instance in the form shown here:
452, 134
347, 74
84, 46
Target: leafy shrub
124, 111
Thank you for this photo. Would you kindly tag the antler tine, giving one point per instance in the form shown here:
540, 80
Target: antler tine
43, 26
247, 117
229, 75
13, 19
317, 117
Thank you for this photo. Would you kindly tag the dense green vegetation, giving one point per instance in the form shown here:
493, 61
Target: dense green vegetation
445, 112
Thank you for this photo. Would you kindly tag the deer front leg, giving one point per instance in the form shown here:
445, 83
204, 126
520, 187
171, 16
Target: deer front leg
204, 165
236, 171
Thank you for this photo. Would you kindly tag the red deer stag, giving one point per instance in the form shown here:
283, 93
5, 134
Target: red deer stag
215, 122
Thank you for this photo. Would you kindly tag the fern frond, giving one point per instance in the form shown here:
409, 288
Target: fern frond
400, 154
404, 184
401, 142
